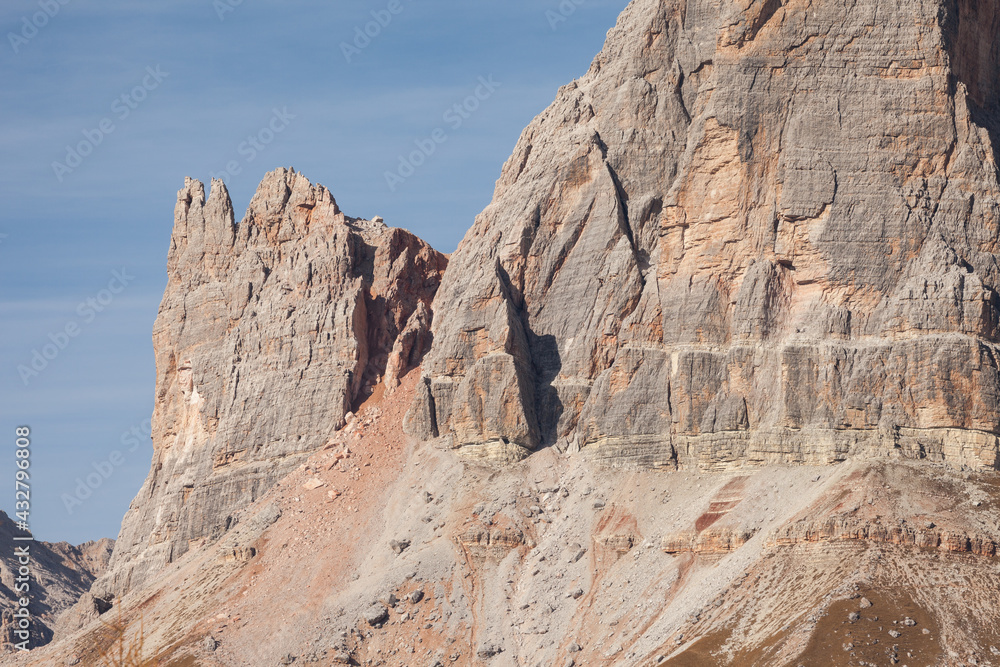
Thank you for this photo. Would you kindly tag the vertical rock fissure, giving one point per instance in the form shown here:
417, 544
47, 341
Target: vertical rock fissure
625, 223
278, 329
769, 155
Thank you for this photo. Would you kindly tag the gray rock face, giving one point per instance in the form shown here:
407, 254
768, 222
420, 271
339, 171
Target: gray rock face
752, 232
268, 334
756, 231
60, 574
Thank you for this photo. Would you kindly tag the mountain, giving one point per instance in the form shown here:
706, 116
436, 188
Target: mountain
754, 232
60, 574
269, 333
712, 380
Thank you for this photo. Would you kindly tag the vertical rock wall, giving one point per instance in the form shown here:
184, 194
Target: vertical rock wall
755, 231
269, 332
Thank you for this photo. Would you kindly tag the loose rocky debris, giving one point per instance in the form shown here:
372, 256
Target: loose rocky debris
399, 546
376, 616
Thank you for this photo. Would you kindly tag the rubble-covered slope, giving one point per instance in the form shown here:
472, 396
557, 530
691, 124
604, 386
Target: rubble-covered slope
755, 235
384, 551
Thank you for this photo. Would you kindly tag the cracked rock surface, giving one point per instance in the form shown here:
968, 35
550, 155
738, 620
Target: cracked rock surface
268, 334
753, 232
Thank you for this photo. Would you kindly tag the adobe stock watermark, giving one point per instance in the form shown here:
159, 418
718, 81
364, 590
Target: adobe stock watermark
105, 468
31, 26
256, 143
455, 116
365, 34
122, 107
59, 340
565, 9
223, 7
3, 237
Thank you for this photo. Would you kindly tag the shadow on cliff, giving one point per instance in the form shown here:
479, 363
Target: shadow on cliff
546, 364
548, 405
970, 30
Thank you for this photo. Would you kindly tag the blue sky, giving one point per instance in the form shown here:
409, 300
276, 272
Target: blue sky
198, 78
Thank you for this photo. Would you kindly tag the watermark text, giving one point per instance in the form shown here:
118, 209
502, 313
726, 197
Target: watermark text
31, 26
103, 470
256, 143
454, 117
365, 34
59, 340
22, 546
565, 9
122, 107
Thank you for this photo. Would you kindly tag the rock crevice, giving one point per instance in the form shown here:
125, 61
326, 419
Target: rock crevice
764, 233
270, 332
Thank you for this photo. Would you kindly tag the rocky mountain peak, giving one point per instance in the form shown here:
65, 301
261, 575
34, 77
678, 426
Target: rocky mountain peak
270, 332
753, 232
60, 575
754, 235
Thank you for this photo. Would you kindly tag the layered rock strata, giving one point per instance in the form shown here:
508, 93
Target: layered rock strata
755, 232
752, 232
270, 331
923, 538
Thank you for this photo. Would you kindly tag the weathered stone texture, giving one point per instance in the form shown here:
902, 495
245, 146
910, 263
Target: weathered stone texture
268, 334
60, 574
753, 231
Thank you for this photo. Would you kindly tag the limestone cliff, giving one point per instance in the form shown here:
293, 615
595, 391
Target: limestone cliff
755, 231
270, 331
